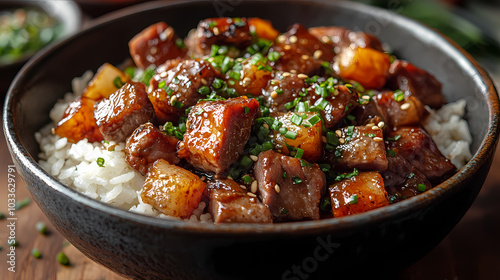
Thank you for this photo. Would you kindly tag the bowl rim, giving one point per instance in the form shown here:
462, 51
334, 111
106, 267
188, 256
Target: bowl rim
486, 147
66, 12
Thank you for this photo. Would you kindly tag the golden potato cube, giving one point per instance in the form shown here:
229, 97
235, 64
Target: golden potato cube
367, 66
102, 84
172, 190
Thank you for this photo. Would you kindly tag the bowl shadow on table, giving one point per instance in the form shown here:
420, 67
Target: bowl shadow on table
380, 242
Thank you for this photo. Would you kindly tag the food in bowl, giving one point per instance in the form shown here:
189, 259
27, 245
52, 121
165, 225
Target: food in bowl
239, 123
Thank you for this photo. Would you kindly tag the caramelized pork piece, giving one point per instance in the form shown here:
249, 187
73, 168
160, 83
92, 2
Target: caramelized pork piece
417, 147
217, 132
105, 82
78, 122
361, 147
146, 145
400, 110
219, 31
367, 66
304, 136
229, 203
176, 89
251, 78
336, 106
155, 45
358, 194
402, 180
172, 190
290, 189
417, 82
300, 51
369, 112
123, 111
283, 88
341, 37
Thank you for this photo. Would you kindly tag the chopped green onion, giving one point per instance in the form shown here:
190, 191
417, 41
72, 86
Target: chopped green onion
284, 174
204, 90
421, 187
353, 199
398, 95
2, 216
321, 104
296, 180
391, 153
267, 146
332, 139
296, 119
118, 82
180, 43
41, 227
246, 179
273, 56
394, 139
291, 135
411, 175
284, 211
36, 253
177, 104
162, 84
247, 110
299, 153
22, 203
100, 162
62, 259
325, 204
314, 120
246, 162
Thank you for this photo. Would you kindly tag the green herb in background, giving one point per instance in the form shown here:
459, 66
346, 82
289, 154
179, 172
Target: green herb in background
62, 259
22, 203
41, 227
36, 253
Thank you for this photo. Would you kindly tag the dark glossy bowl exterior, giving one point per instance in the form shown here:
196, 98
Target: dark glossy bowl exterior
66, 12
382, 241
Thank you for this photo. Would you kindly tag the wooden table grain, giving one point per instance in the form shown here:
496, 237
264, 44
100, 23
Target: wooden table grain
470, 251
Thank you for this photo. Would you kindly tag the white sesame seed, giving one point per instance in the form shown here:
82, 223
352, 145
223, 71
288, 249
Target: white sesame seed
293, 71
246, 81
375, 127
323, 138
203, 178
405, 106
243, 187
281, 38
266, 126
317, 54
274, 82
367, 97
163, 74
293, 39
203, 81
305, 57
277, 188
370, 124
302, 76
341, 140
287, 47
325, 39
286, 74
216, 31
336, 92
253, 187
274, 94
251, 194
338, 133
254, 158
173, 99
381, 124
230, 177
378, 139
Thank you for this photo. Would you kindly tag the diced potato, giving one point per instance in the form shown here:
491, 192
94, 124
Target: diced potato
358, 194
78, 122
263, 28
365, 65
252, 80
103, 83
307, 138
172, 190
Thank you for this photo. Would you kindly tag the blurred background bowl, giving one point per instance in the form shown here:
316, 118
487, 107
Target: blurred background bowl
377, 243
68, 20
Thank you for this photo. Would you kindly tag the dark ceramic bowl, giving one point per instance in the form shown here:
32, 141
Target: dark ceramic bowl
382, 241
66, 12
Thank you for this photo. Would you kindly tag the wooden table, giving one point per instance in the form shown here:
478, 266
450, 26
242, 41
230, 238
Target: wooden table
470, 251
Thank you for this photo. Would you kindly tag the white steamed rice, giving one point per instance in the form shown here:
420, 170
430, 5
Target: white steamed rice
118, 184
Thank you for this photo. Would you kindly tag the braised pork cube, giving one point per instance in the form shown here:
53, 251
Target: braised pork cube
104, 82
176, 89
402, 180
78, 122
417, 82
155, 45
252, 78
123, 111
417, 147
341, 37
336, 105
146, 145
282, 89
368, 111
229, 203
172, 190
300, 51
297, 132
361, 147
367, 66
358, 194
219, 31
400, 110
290, 189
217, 132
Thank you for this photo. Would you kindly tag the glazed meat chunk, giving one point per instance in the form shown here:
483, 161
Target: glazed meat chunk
336, 105
358, 194
360, 147
417, 147
219, 31
155, 45
283, 88
400, 110
176, 89
229, 203
291, 190
417, 82
172, 190
341, 37
78, 122
300, 51
217, 132
123, 111
147, 144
